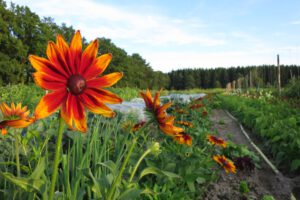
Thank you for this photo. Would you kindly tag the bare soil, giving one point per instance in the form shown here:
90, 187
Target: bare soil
261, 181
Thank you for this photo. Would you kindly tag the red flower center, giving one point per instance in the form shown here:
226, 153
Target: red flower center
76, 84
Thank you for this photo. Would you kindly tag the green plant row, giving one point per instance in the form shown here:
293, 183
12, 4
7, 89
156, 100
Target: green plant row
276, 124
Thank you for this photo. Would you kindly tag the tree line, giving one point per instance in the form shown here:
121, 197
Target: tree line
254, 76
22, 32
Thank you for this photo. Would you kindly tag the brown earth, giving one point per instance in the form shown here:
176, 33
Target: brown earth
261, 181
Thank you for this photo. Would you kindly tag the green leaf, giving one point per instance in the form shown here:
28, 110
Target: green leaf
39, 170
156, 171
170, 174
33, 182
131, 193
149, 170
110, 165
28, 184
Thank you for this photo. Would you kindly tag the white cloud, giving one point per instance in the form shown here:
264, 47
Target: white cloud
97, 19
172, 60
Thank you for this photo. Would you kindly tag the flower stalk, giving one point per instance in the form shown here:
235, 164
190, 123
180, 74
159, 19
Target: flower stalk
56, 158
17, 151
138, 164
118, 179
154, 148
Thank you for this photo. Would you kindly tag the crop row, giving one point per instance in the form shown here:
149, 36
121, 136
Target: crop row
276, 124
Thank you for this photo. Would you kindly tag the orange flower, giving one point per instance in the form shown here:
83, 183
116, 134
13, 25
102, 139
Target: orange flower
185, 123
137, 126
14, 116
165, 122
72, 77
216, 141
225, 163
183, 138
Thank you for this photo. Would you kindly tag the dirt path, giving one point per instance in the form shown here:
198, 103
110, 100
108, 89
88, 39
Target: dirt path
260, 181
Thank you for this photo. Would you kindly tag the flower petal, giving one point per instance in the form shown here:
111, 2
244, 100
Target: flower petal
64, 49
104, 81
44, 65
89, 56
19, 123
79, 115
98, 66
103, 95
5, 109
48, 82
156, 100
49, 103
66, 110
3, 131
76, 51
164, 107
96, 106
58, 59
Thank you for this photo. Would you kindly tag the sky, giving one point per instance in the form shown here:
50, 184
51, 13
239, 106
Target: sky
177, 34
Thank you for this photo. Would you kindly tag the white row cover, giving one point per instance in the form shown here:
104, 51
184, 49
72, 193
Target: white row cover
136, 106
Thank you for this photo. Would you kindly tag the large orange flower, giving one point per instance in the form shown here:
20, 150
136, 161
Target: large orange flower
14, 116
165, 122
72, 77
225, 163
216, 141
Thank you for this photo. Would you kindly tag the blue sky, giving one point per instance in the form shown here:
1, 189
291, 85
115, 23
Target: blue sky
187, 33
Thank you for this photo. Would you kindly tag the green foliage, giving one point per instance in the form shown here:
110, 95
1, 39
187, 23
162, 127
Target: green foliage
276, 124
28, 95
90, 164
268, 197
244, 189
292, 90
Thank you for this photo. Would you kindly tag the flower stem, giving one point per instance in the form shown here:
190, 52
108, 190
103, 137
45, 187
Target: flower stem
118, 179
138, 163
56, 158
17, 154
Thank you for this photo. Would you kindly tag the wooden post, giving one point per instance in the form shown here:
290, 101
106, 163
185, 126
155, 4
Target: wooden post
250, 79
279, 80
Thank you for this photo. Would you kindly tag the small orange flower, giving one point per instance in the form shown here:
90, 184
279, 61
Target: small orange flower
216, 141
165, 122
14, 116
72, 77
183, 138
137, 126
185, 123
225, 163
